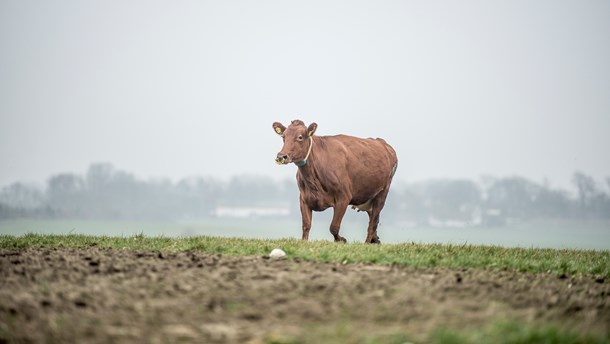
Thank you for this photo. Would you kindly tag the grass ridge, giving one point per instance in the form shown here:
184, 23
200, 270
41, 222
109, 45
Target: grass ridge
558, 261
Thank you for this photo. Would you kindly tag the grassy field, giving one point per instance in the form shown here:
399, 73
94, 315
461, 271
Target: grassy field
588, 262
585, 235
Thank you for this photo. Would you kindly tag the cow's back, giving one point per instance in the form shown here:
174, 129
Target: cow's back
364, 166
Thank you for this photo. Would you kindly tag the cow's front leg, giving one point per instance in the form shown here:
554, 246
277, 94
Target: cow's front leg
306, 217
338, 213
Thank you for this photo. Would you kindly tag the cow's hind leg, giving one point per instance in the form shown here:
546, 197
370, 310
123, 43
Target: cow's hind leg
371, 236
377, 204
335, 225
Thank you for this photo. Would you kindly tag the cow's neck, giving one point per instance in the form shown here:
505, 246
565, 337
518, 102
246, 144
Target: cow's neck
308, 174
311, 172
303, 162
306, 165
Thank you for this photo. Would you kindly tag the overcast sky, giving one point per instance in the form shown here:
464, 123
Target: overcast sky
184, 88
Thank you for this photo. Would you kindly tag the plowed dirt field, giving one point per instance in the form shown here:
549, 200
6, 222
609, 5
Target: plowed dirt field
99, 296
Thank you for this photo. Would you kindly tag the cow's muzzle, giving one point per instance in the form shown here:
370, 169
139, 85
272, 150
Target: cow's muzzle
281, 159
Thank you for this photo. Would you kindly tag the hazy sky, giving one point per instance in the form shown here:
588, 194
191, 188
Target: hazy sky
183, 88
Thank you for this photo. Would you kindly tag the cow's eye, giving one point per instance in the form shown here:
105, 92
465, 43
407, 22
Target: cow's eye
300, 138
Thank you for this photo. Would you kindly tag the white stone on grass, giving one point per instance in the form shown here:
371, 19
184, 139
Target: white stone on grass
277, 253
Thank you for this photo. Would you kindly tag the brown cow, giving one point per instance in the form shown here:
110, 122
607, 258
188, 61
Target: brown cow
338, 171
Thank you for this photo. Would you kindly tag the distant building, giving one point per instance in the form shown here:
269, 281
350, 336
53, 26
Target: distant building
250, 212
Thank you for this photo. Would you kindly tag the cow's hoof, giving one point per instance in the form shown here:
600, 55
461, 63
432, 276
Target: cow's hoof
373, 241
341, 239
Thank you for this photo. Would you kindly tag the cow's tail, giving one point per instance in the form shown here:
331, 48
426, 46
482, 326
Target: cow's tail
394, 169
392, 154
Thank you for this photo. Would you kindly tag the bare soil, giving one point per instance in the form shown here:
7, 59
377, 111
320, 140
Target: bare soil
94, 295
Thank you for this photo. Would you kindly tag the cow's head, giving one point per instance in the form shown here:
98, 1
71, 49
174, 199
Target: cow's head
297, 141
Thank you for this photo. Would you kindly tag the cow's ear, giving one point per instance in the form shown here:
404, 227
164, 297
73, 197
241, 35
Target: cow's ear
312, 129
279, 128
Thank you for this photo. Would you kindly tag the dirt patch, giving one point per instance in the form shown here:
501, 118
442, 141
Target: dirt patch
93, 295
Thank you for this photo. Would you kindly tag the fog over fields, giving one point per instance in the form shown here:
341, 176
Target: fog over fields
493, 210
185, 89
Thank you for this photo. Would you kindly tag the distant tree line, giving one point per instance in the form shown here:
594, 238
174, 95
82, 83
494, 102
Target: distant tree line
107, 193
498, 201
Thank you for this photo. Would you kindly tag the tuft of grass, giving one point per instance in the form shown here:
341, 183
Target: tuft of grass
573, 262
514, 332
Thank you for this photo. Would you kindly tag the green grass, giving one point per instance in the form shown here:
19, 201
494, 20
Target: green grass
514, 332
587, 262
495, 332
